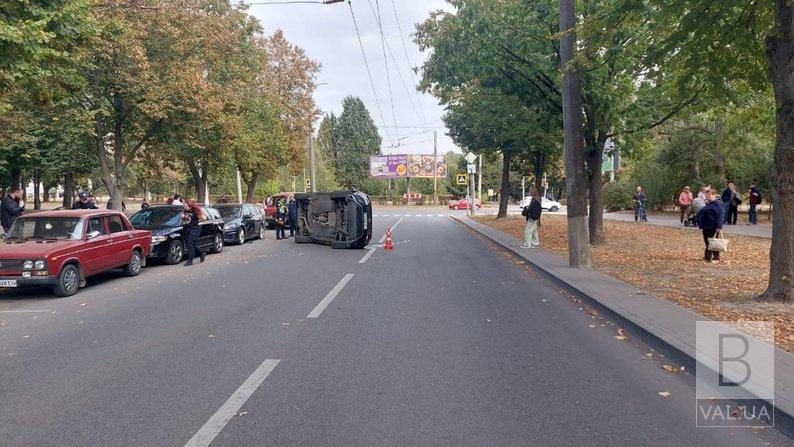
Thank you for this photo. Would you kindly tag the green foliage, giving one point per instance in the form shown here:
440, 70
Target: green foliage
357, 139
618, 195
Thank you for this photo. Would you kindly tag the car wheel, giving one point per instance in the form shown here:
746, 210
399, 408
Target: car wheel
175, 252
133, 268
456, 207
554, 209
68, 281
217, 245
301, 239
261, 232
241, 237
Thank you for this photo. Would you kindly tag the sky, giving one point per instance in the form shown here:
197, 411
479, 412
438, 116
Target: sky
327, 34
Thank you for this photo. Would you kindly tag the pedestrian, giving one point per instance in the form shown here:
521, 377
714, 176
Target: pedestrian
704, 193
191, 217
83, 202
710, 220
727, 198
532, 213
292, 215
281, 219
639, 206
733, 206
268, 201
177, 200
685, 203
169, 200
144, 204
11, 206
754, 197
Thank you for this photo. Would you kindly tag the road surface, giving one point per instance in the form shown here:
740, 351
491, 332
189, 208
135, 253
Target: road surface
442, 341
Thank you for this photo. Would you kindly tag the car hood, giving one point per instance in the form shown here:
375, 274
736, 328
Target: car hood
233, 221
33, 248
164, 231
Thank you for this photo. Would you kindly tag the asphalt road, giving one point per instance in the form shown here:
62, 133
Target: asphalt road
442, 341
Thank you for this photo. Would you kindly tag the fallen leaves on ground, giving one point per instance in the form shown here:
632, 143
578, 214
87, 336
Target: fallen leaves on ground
668, 263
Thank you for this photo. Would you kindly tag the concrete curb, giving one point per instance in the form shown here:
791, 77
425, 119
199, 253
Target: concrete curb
663, 325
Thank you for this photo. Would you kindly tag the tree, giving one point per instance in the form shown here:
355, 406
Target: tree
358, 138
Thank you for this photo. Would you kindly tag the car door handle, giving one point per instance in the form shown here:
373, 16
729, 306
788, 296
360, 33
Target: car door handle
110, 241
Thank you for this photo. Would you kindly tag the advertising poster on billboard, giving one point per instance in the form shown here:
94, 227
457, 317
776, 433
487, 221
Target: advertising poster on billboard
388, 166
422, 165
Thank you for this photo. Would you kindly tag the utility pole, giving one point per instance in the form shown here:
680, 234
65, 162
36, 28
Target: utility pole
575, 178
239, 187
435, 167
312, 168
479, 181
523, 187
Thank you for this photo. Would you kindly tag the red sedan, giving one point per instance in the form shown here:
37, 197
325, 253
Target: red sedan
62, 248
463, 204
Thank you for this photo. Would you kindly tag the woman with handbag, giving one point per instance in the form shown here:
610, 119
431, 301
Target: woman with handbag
710, 220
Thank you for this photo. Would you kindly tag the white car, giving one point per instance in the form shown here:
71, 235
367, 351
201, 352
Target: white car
545, 204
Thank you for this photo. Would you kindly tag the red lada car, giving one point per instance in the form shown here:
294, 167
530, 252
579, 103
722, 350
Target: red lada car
62, 248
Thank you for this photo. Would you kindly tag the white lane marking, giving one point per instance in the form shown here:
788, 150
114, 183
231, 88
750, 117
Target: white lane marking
442, 215
24, 311
367, 255
315, 313
393, 227
226, 412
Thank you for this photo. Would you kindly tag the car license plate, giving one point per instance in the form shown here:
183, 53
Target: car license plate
8, 282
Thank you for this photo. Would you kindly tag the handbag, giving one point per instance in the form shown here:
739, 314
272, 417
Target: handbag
280, 222
718, 243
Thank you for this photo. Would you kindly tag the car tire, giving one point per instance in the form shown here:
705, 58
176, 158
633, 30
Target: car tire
176, 251
261, 234
554, 209
217, 244
240, 237
456, 207
339, 244
301, 239
133, 268
68, 281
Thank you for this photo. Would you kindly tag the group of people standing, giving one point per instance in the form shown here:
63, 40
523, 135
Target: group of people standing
286, 215
729, 199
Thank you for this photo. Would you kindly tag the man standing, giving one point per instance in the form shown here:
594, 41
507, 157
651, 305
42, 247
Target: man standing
83, 202
640, 214
532, 213
727, 197
292, 215
11, 206
754, 198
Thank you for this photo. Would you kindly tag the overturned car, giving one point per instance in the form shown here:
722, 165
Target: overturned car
341, 219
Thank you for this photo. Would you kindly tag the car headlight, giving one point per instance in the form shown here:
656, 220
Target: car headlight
39, 265
27, 265
158, 239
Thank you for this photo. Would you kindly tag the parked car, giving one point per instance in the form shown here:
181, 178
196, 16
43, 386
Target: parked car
463, 204
545, 204
62, 248
242, 222
169, 236
341, 219
270, 211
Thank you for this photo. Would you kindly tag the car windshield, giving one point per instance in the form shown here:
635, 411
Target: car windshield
61, 228
229, 212
156, 218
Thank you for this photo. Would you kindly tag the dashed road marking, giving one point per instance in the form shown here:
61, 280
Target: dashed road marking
315, 313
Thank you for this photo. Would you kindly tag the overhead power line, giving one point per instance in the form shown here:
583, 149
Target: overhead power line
383, 42
408, 59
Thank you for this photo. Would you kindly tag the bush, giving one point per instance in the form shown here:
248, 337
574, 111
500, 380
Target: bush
618, 195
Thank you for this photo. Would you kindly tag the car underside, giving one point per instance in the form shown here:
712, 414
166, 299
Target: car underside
341, 219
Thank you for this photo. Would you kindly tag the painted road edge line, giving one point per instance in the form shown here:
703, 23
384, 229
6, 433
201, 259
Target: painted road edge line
315, 313
228, 410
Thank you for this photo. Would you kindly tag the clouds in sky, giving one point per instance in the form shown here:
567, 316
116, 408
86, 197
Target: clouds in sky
327, 34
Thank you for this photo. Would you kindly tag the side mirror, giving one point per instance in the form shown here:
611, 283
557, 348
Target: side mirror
92, 234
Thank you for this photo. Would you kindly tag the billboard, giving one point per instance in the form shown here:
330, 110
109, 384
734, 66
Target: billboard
407, 165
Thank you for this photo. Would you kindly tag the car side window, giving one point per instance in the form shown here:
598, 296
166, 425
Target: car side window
248, 210
95, 224
115, 224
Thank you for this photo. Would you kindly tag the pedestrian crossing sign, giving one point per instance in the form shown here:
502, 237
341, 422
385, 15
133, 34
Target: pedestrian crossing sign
463, 179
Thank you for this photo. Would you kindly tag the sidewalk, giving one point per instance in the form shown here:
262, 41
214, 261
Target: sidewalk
668, 325
761, 230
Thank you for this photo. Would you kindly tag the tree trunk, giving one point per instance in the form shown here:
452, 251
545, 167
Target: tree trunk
595, 199
68, 189
780, 63
36, 189
538, 167
575, 180
16, 177
250, 185
198, 179
45, 196
504, 196
719, 155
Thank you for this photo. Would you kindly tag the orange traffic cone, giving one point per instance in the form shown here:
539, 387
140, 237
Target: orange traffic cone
388, 245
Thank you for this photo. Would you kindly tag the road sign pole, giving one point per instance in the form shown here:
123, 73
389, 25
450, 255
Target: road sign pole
239, 187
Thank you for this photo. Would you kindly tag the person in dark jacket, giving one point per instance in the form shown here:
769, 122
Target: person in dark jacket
727, 198
281, 219
292, 215
83, 202
754, 198
11, 207
710, 220
191, 218
639, 206
532, 213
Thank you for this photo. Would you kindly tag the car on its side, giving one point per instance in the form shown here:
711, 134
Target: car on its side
242, 222
169, 236
62, 248
545, 204
341, 219
463, 204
